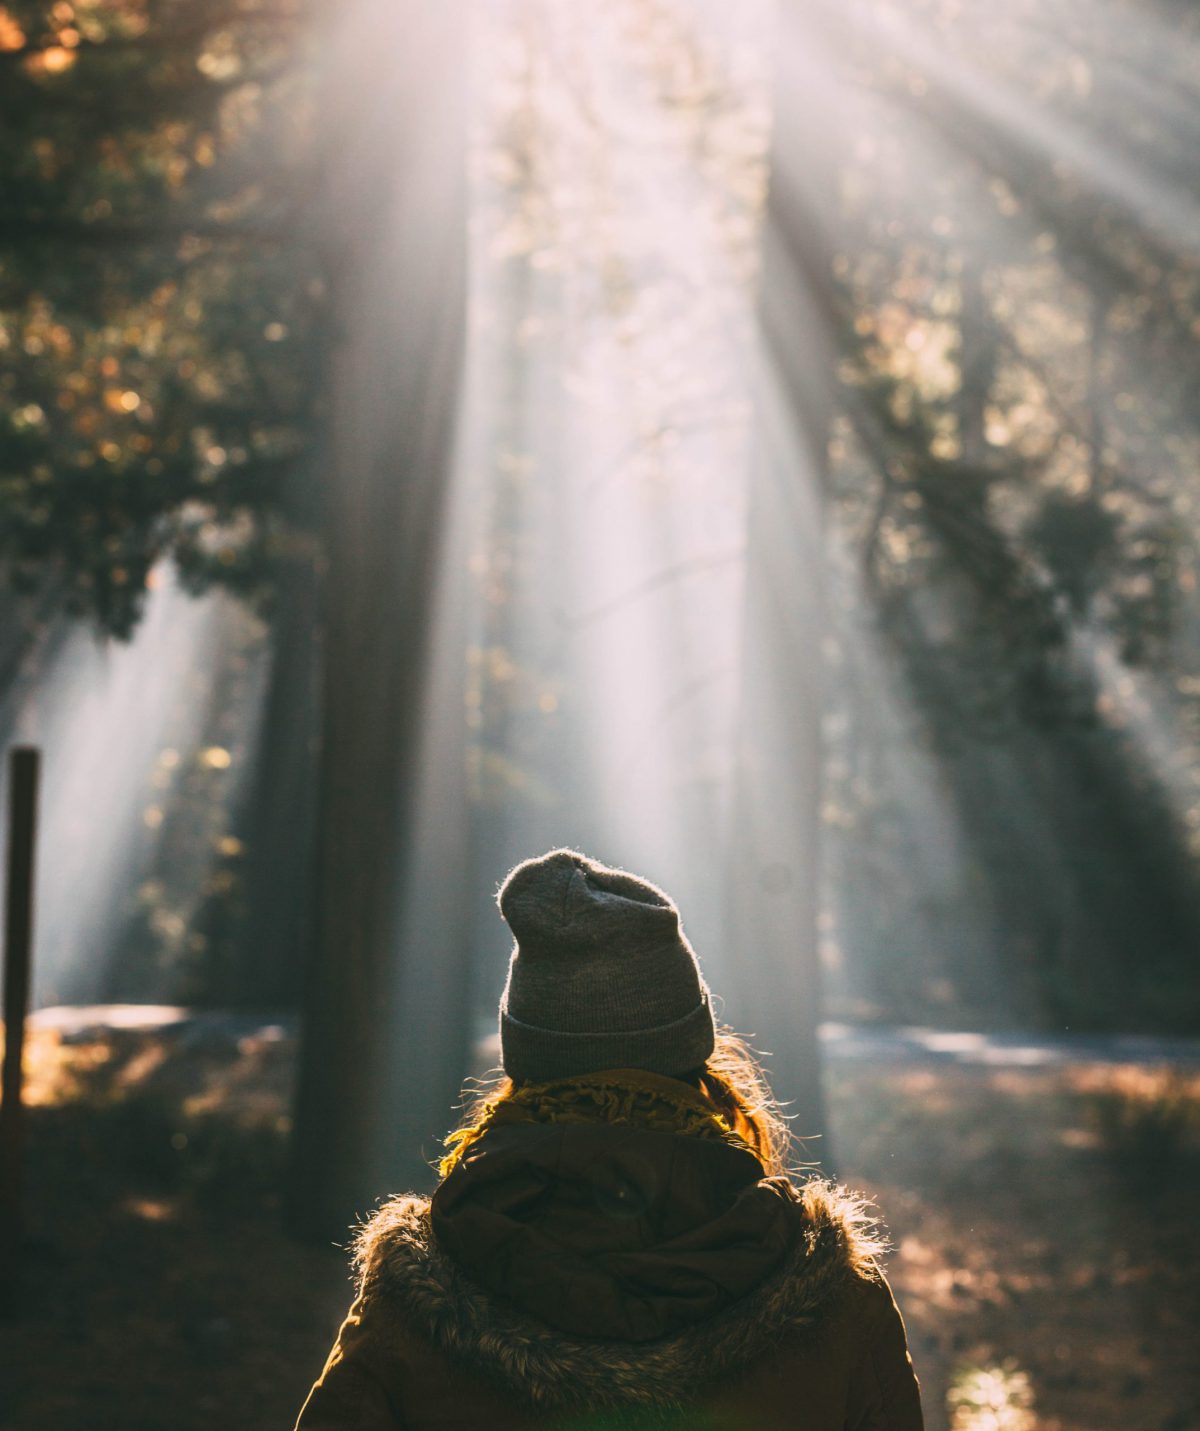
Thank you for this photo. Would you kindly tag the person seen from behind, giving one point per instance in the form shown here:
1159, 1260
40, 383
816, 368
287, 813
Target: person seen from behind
615, 1240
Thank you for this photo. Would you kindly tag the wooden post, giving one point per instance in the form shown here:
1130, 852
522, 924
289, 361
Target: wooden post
18, 942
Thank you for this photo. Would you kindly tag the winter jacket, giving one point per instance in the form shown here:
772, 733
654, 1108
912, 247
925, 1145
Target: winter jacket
600, 1275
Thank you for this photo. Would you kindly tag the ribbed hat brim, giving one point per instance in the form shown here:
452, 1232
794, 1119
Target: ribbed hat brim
530, 1053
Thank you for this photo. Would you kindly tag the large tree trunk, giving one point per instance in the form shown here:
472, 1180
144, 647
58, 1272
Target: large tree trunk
278, 819
383, 1022
774, 855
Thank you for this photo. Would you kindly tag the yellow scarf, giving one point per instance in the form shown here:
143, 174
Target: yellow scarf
616, 1095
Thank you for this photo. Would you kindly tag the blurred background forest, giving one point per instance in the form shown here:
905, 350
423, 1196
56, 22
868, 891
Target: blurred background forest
759, 444
1012, 814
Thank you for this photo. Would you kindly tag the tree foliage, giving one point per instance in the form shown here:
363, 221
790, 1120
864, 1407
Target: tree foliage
159, 308
1016, 508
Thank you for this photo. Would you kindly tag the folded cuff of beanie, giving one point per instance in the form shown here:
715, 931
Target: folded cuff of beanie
532, 1054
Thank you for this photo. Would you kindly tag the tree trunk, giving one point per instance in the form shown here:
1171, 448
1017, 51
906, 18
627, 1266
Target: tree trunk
279, 811
394, 215
774, 855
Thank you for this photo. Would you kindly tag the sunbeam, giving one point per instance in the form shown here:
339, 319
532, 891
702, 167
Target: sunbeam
620, 172
147, 750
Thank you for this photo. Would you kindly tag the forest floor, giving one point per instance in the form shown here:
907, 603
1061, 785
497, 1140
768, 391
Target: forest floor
1042, 1220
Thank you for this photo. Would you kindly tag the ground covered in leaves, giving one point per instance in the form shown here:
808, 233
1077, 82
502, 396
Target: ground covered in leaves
1043, 1224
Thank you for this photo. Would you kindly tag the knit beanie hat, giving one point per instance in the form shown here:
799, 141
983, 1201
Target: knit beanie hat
601, 975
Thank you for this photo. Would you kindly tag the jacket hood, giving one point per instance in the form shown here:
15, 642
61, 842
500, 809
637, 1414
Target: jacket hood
609, 1266
617, 1232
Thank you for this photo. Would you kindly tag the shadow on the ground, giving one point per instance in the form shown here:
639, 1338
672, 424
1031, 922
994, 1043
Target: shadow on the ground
1042, 1222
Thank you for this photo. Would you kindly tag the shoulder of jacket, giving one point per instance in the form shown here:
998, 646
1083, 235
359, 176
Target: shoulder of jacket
841, 1222
396, 1234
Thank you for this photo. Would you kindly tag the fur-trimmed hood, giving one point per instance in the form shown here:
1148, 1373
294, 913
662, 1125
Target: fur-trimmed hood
405, 1270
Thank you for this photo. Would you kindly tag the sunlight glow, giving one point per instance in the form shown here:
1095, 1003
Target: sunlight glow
619, 178
992, 1398
123, 729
